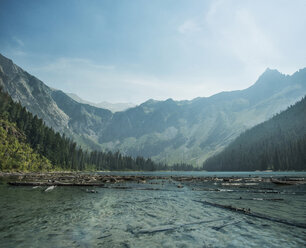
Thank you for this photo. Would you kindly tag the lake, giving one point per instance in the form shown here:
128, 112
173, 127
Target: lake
159, 213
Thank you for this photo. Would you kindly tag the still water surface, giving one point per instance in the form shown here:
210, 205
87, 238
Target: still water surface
143, 217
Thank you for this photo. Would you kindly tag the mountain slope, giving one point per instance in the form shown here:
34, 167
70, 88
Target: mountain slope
278, 144
168, 131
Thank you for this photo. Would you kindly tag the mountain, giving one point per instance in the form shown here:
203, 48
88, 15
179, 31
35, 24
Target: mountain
114, 107
59, 111
168, 131
277, 144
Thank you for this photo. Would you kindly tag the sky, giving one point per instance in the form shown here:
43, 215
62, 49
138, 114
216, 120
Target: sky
135, 50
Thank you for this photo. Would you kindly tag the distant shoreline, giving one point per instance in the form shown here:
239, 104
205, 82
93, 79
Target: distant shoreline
109, 179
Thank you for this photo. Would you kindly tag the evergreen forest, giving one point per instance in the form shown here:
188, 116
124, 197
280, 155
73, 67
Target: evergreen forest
277, 144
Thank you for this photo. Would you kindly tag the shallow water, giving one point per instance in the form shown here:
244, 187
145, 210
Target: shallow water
138, 217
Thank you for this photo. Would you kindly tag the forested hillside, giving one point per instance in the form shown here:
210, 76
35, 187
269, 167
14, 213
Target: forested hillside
16, 154
277, 144
27, 144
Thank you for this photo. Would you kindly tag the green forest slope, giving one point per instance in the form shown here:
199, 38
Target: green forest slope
277, 144
16, 154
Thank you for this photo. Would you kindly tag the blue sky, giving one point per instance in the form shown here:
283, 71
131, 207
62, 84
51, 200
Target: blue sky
133, 50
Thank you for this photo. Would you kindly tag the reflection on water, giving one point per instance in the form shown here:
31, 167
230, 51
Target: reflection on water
168, 217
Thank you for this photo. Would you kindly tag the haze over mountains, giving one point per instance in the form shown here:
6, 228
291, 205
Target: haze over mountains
169, 131
114, 107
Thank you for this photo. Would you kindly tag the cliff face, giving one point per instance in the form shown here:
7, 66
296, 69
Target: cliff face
31, 93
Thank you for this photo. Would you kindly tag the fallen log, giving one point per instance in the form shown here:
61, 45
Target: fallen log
239, 184
53, 184
287, 182
249, 199
253, 214
105, 236
174, 227
265, 199
217, 228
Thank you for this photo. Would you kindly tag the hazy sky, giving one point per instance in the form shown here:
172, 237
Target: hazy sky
133, 50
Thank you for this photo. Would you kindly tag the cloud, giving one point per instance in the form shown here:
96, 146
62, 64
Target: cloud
246, 40
238, 33
259, 34
18, 41
97, 82
230, 29
16, 48
65, 63
236, 41
18, 53
189, 26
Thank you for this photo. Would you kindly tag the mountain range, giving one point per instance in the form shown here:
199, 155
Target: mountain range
167, 131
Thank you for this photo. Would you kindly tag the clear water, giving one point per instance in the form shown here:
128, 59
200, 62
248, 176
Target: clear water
142, 217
